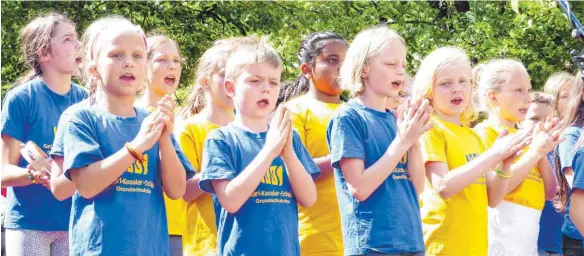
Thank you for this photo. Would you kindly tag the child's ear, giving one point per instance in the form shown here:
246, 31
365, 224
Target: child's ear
204, 82
229, 88
365, 71
492, 97
306, 70
43, 54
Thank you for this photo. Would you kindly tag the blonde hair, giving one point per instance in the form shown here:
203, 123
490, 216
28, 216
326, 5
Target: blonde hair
209, 63
431, 66
495, 74
154, 41
35, 40
248, 54
366, 44
542, 98
90, 42
553, 85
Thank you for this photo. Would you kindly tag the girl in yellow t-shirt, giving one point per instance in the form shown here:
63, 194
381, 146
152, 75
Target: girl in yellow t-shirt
463, 177
320, 57
164, 70
504, 90
208, 107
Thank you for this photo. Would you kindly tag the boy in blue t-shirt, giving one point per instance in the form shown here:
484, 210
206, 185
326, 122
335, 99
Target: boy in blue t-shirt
257, 172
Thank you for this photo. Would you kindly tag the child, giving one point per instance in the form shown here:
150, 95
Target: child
504, 89
163, 76
213, 109
258, 172
575, 210
376, 193
36, 222
550, 223
574, 115
320, 57
119, 156
463, 176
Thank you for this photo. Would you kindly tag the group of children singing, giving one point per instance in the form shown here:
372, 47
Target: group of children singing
399, 167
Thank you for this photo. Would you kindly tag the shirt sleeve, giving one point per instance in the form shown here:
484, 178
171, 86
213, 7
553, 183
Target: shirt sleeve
433, 146
566, 149
13, 116
217, 161
345, 139
80, 143
190, 171
305, 157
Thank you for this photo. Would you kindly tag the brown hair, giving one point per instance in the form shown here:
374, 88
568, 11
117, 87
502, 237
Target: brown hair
35, 41
575, 106
542, 98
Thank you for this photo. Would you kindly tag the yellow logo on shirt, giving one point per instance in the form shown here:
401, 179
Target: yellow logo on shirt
404, 159
139, 168
274, 176
54, 130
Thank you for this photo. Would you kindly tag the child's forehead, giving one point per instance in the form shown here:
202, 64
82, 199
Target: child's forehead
262, 69
125, 37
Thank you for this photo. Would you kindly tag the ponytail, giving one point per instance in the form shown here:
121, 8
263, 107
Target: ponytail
195, 103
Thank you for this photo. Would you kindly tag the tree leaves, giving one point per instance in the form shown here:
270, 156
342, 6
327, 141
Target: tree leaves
539, 35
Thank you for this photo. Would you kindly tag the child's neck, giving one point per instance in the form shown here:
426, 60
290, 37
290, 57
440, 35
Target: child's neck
320, 96
448, 118
372, 100
119, 106
252, 124
58, 83
150, 99
496, 119
217, 115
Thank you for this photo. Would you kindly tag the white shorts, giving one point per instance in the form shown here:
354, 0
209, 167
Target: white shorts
513, 230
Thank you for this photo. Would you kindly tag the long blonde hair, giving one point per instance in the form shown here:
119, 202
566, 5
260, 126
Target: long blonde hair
366, 44
553, 85
431, 66
494, 75
210, 63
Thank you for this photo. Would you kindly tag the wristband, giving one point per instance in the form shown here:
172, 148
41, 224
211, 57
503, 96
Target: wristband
502, 175
134, 153
31, 177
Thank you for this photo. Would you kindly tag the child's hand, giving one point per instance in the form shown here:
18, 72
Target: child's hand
288, 151
279, 132
414, 120
40, 177
150, 131
546, 136
167, 106
509, 147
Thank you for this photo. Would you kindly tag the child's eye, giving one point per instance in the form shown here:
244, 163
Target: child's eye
138, 56
444, 84
255, 81
177, 61
117, 55
68, 39
333, 61
161, 60
274, 84
519, 90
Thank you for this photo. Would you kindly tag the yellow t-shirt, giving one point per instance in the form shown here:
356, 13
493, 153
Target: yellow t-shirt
319, 226
531, 192
201, 233
175, 210
457, 225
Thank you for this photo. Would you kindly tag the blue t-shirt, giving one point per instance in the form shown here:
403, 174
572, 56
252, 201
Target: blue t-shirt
578, 166
128, 217
551, 221
57, 149
267, 223
389, 220
566, 149
31, 112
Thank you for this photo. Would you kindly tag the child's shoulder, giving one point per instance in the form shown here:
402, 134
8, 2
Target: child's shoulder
299, 104
79, 90
24, 91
